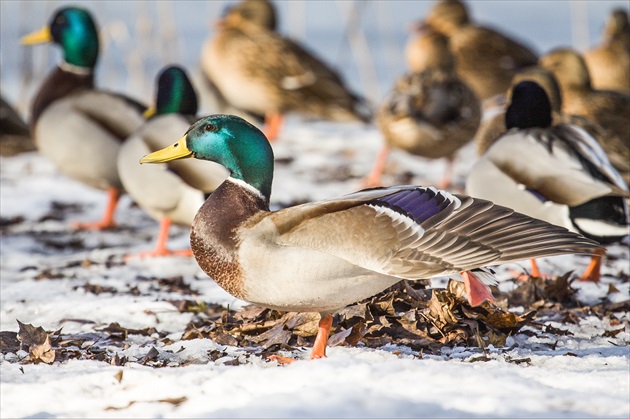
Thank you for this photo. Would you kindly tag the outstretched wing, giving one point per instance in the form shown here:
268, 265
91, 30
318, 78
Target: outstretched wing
414, 232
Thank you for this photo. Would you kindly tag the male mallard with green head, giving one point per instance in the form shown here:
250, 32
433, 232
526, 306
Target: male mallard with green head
172, 192
75, 125
555, 173
258, 71
322, 256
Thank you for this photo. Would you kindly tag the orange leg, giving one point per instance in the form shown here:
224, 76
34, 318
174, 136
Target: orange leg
477, 291
273, 122
113, 194
535, 271
319, 347
374, 178
160, 247
591, 273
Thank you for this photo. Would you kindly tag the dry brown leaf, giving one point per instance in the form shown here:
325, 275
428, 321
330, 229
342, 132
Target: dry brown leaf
38, 342
119, 376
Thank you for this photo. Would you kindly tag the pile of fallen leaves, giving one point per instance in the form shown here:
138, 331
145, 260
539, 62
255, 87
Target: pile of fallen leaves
407, 314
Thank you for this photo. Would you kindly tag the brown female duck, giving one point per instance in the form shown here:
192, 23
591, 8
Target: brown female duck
485, 59
258, 71
430, 112
609, 62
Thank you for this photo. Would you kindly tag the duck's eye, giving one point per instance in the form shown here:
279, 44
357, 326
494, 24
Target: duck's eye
60, 20
211, 128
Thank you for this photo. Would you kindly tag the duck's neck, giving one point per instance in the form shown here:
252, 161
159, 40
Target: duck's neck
60, 82
214, 234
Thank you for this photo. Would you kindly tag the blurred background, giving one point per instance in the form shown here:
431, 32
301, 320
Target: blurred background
363, 39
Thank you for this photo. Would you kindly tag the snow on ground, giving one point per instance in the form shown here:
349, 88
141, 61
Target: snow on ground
49, 275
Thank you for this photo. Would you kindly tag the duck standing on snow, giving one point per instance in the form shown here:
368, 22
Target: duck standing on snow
608, 108
555, 173
75, 125
430, 112
172, 192
260, 72
322, 256
486, 60
609, 63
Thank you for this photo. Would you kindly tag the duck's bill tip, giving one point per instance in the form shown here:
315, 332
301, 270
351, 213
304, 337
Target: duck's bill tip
173, 152
38, 37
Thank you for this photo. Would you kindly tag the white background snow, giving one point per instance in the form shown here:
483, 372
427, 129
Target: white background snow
318, 160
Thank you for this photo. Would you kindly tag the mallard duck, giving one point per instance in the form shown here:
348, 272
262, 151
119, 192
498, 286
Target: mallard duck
617, 149
172, 192
608, 108
609, 63
14, 134
258, 71
555, 173
322, 256
430, 112
261, 12
75, 125
486, 60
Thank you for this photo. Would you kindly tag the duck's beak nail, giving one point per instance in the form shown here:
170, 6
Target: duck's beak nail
173, 152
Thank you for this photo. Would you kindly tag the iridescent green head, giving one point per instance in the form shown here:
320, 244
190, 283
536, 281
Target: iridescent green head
74, 30
175, 93
230, 141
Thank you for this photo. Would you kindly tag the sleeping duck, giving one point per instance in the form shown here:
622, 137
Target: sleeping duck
617, 149
486, 60
258, 71
77, 126
609, 63
170, 192
430, 112
322, 256
608, 108
554, 173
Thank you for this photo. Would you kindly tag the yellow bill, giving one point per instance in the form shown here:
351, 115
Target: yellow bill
172, 152
149, 112
38, 37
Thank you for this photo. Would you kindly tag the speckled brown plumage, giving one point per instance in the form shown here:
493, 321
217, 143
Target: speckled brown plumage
485, 59
608, 108
259, 71
609, 62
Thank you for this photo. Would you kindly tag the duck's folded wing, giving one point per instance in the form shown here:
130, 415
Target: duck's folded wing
415, 232
117, 114
547, 168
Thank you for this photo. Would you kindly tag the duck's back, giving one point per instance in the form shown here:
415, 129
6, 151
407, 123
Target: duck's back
277, 74
487, 60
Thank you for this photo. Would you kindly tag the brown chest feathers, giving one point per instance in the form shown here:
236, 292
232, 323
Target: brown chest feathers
214, 234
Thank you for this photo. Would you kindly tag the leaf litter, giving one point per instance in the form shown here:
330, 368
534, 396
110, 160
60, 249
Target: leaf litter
407, 315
